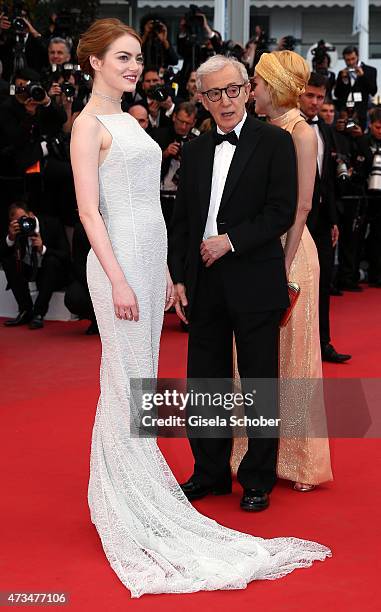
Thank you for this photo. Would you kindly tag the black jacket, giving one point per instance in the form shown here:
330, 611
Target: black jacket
21, 134
323, 213
366, 85
257, 207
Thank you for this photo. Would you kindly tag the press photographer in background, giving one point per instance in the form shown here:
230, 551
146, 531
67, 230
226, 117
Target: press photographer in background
367, 173
21, 44
34, 249
156, 47
31, 147
196, 40
356, 83
157, 96
321, 62
171, 140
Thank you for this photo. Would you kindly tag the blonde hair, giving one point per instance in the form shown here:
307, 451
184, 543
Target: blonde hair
286, 74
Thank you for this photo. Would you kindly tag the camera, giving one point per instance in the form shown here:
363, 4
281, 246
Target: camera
27, 225
158, 93
157, 26
32, 90
374, 180
351, 71
342, 173
194, 24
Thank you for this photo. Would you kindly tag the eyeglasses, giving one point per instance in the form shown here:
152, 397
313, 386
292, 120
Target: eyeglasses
232, 91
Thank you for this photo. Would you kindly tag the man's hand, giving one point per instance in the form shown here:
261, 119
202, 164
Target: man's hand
31, 105
213, 248
356, 131
334, 235
359, 71
153, 108
172, 150
163, 36
13, 230
181, 301
55, 90
31, 29
37, 242
5, 24
166, 104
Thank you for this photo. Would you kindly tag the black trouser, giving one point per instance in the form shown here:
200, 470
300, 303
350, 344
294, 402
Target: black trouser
50, 277
167, 206
373, 241
210, 356
59, 192
323, 241
350, 240
78, 301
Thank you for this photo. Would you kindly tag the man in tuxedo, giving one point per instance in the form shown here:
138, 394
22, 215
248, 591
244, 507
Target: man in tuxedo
355, 84
236, 197
322, 220
42, 255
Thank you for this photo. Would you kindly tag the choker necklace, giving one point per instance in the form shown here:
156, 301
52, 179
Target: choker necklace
104, 97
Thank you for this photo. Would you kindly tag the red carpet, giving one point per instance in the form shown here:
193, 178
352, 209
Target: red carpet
47, 543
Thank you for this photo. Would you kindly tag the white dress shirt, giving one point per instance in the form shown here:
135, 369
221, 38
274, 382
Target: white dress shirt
320, 141
223, 156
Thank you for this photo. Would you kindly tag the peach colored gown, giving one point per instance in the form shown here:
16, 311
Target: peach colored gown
304, 454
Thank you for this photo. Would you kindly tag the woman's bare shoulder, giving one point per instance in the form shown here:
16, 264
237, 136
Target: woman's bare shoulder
86, 123
304, 135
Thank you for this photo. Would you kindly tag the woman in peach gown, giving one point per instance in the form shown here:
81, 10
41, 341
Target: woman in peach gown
303, 456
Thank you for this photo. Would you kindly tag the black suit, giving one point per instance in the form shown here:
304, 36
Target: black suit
366, 85
243, 292
322, 218
52, 274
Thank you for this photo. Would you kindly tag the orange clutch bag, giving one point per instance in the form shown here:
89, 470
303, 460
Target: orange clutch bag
293, 294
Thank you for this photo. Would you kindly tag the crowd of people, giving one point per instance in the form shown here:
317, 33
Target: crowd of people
43, 90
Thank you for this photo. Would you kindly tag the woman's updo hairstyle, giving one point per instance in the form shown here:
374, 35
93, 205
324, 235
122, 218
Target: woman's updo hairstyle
97, 39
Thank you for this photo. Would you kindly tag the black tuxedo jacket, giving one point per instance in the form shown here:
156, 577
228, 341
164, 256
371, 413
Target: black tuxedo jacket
323, 212
53, 237
257, 207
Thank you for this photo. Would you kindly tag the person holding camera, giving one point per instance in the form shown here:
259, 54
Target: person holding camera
196, 41
34, 249
157, 97
171, 140
156, 47
31, 147
20, 43
355, 84
367, 173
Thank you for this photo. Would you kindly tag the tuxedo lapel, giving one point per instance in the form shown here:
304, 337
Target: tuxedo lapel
247, 144
205, 173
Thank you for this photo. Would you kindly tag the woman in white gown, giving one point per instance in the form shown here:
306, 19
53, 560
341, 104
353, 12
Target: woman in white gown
153, 537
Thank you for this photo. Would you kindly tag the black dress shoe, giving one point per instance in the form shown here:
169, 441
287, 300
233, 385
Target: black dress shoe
353, 287
193, 490
328, 353
22, 319
92, 330
37, 322
254, 500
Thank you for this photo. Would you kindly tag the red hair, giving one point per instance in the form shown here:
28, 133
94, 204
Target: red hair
97, 39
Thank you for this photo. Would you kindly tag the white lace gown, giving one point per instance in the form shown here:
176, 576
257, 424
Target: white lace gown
154, 539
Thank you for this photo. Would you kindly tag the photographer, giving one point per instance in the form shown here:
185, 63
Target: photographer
20, 43
157, 97
367, 172
156, 48
356, 84
321, 62
35, 248
171, 140
140, 112
196, 41
31, 147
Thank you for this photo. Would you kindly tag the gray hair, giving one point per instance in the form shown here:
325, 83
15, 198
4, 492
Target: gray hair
216, 63
61, 41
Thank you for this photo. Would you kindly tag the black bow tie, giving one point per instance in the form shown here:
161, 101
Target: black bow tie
312, 121
230, 137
